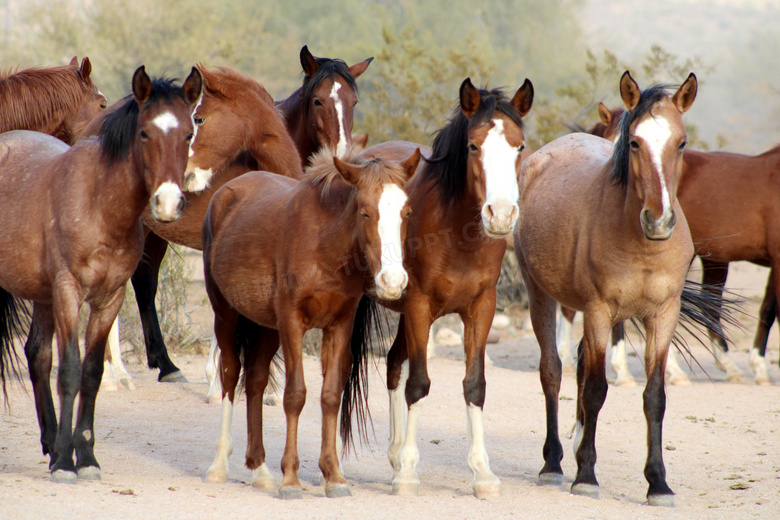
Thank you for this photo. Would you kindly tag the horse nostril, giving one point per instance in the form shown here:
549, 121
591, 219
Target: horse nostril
672, 219
182, 203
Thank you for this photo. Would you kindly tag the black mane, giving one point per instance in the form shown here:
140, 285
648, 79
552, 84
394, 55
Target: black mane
647, 100
118, 129
328, 67
447, 165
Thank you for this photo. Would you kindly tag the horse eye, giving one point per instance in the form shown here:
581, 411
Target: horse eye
634, 145
521, 148
473, 147
199, 120
365, 214
317, 103
144, 135
682, 145
354, 104
408, 212
103, 106
190, 136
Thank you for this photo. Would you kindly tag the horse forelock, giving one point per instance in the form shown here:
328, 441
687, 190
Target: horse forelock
34, 97
118, 130
622, 153
328, 68
447, 166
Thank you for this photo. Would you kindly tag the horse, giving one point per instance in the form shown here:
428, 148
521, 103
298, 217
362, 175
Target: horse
73, 235
601, 231
320, 113
266, 289
57, 101
464, 204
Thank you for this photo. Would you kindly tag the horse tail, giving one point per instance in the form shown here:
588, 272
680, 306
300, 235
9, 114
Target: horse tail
247, 335
367, 331
14, 320
703, 307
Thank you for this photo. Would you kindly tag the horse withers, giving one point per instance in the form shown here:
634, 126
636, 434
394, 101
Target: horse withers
73, 235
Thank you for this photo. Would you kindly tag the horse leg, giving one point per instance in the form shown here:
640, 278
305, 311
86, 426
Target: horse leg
476, 323
542, 309
675, 375
225, 325
416, 327
766, 317
591, 393
258, 365
114, 371
145, 286
564, 319
660, 331
397, 375
714, 279
619, 360
39, 358
291, 334
101, 319
336, 362
214, 394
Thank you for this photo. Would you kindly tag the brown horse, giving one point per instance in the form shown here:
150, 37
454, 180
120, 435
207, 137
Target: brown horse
73, 235
319, 114
601, 231
464, 205
57, 101
267, 288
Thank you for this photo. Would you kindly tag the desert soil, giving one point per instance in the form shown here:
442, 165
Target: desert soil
154, 444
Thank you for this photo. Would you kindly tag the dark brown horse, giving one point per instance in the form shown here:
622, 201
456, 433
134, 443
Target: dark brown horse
319, 114
73, 235
57, 101
267, 287
601, 231
464, 205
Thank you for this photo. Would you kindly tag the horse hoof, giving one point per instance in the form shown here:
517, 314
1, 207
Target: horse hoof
585, 490
64, 477
128, 384
338, 491
735, 378
89, 473
661, 500
680, 381
213, 399
625, 381
408, 488
217, 477
764, 382
290, 493
485, 490
174, 377
550, 479
264, 484
109, 386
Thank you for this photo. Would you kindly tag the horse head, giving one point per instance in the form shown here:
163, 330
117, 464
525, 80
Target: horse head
92, 101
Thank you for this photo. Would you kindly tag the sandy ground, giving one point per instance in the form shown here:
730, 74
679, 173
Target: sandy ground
155, 444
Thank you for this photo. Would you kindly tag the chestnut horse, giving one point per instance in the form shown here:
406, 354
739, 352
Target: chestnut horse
464, 205
601, 231
266, 288
73, 235
57, 101
319, 114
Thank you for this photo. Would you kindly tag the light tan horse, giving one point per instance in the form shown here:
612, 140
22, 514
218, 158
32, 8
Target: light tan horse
601, 231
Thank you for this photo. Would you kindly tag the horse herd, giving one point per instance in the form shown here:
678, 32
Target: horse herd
302, 227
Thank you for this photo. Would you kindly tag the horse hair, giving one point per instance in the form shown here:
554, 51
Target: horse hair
117, 132
447, 165
328, 67
649, 97
14, 321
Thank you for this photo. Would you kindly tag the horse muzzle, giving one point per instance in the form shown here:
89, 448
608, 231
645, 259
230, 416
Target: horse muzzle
197, 179
390, 285
657, 229
499, 219
167, 202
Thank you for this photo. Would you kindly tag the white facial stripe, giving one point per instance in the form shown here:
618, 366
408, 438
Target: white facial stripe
656, 131
341, 147
498, 162
168, 197
391, 203
194, 126
166, 122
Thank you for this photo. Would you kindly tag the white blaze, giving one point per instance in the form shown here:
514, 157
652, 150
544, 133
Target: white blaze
499, 160
391, 275
194, 126
166, 122
341, 147
656, 131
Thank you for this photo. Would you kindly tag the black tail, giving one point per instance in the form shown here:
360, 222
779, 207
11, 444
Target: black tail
368, 330
14, 321
247, 336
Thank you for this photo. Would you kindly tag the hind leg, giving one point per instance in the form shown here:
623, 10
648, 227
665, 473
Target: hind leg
766, 318
563, 334
714, 275
38, 350
114, 371
214, 394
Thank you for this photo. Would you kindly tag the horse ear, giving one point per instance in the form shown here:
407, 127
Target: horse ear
629, 91
142, 86
360, 142
410, 165
348, 172
359, 68
74, 62
604, 114
469, 98
308, 62
683, 98
524, 98
86, 68
193, 86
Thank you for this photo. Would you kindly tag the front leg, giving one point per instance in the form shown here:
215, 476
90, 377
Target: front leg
397, 375
476, 323
291, 335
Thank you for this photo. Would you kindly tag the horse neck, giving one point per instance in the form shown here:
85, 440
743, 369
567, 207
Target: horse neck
283, 160
292, 110
336, 225
458, 216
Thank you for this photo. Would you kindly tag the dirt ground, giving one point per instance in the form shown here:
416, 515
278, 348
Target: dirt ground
155, 444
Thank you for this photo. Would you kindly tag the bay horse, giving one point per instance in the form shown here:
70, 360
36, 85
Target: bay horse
57, 101
464, 205
266, 289
601, 231
320, 113
73, 235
